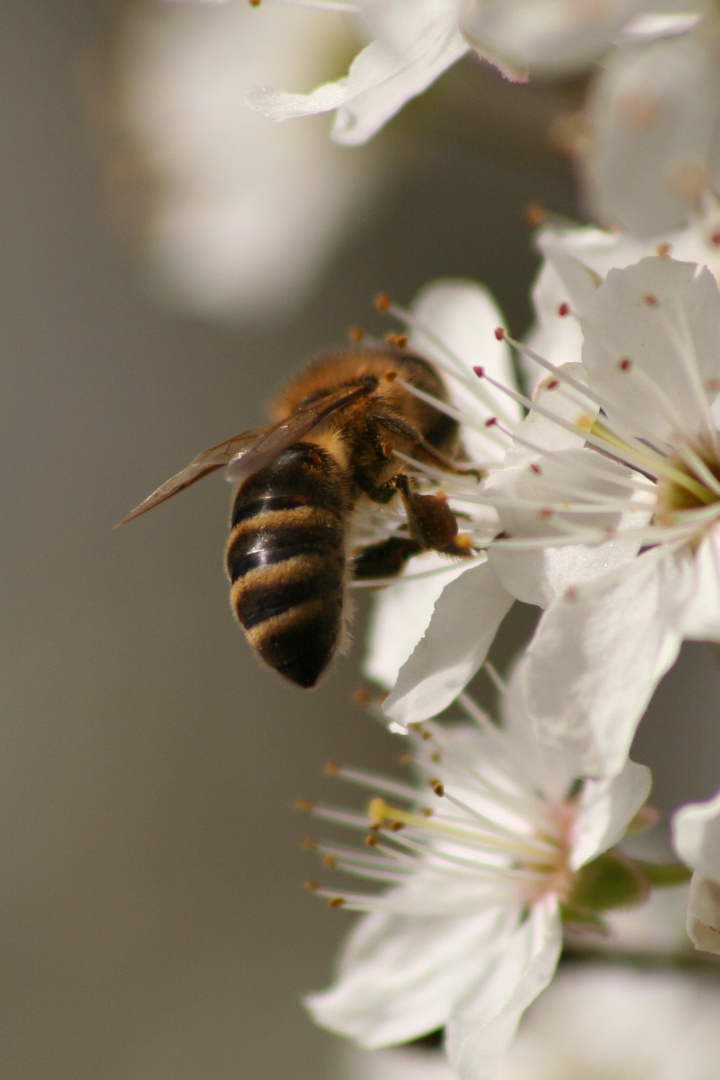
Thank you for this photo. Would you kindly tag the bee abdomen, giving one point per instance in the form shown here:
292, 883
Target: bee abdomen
286, 561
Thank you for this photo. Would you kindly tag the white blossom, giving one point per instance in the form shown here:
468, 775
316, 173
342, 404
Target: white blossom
696, 838
241, 218
608, 505
478, 860
653, 115
411, 43
615, 1022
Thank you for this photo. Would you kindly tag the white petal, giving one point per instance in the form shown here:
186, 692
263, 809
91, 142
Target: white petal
696, 836
402, 613
546, 36
701, 615
606, 810
597, 656
455, 644
479, 1033
654, 117
664, 317
378, 83
453, 324
703, 914
401, 976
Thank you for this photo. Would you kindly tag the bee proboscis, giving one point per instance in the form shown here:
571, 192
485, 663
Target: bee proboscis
332, 448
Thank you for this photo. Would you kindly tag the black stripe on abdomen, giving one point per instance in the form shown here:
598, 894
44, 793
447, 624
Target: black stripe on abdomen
286, 560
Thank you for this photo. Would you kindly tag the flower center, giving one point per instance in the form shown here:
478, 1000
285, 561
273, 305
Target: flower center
691, 482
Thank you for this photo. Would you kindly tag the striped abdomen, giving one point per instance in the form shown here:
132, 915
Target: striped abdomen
286, 561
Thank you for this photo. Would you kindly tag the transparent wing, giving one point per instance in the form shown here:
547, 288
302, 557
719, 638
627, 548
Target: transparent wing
200, 466
268, 444
278, 438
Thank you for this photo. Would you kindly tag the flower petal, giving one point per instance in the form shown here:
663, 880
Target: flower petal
379, 82
453, 324
401, 975
402, 613
461, 631
696, 836
654, 116
701, 615
598, 654
479, 1033
606, 807
663, 317
546, 36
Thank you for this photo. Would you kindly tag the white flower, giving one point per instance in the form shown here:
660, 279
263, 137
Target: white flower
240, 218
613, 1022
651, 358
412, 43
608, 505
654, 117
478, 863
696, 838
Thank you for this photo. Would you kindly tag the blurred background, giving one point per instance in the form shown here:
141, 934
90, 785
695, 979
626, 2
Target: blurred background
167, 262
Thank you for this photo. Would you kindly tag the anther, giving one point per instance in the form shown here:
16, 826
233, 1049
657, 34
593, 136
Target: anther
650, 299
436, 757
362, 697
329, 861
437, 787
371, 840
254, 3
535, 468
336, 901
396, 826
331, 768
715, 237
552, 384
544, 514
305, 806
311, 886
664, 250
563, 309
309, 845
534, 214
499, 334
491, 422
426, 811
570, 594
625, 364
391, 376
356, 334
382, 303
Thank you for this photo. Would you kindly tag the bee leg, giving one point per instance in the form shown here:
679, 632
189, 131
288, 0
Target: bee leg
408, 433
431, 522
384, 560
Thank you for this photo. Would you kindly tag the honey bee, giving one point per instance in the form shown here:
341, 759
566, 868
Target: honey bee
331, 449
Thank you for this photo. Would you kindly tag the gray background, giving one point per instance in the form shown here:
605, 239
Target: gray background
152, 921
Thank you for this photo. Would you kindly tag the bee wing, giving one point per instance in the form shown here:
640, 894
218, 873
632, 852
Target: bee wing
200, 466
269, 446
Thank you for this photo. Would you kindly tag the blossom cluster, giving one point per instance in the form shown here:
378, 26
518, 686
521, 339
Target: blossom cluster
588, 488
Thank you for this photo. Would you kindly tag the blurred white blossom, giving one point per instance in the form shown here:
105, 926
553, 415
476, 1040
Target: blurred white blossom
614, 1022
696, 837
242, 217
479, 867
653, 146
